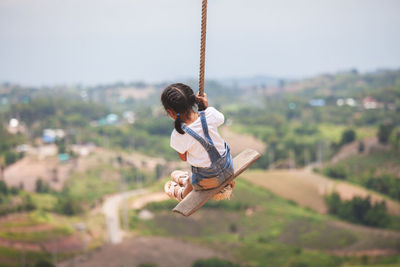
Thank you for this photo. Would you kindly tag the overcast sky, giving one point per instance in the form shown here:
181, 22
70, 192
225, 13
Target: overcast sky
97, 41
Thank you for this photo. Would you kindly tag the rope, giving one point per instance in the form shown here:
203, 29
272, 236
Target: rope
226, 192
203, 47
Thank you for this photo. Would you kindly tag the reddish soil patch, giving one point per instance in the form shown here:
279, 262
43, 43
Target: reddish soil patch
142, 201
20, 245
27, 170
21, 223
351, 149
370, 252
70, 243
162, 251
32, 228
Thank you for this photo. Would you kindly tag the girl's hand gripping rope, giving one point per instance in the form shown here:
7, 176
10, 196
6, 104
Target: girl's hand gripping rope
202, 99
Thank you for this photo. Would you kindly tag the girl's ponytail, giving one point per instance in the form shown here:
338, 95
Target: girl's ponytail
178, 124
179, 98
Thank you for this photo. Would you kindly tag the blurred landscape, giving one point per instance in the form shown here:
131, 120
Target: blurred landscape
83, 169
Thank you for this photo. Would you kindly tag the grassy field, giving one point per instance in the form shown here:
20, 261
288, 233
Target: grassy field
94, 183
37, 235
31, 236
329, 132
334, 132
377, 163
33, 227
309, 189
304, 188
257, 228
44, 201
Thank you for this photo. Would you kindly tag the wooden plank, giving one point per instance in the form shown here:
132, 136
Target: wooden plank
196, 199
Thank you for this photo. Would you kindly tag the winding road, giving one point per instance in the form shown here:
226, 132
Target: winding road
111, 212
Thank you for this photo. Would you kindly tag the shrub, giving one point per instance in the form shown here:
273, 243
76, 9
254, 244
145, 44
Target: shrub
10, 158
68, 206
361, 147
348, 136
41, 186
163, 205
214, 262
297, 263
386, 184
358, 210
333, 201
44, 263
337, 172
28, 203
3, 188
384, 132
14, 190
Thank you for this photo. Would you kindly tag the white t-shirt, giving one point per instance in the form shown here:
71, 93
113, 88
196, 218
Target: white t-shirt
196, 154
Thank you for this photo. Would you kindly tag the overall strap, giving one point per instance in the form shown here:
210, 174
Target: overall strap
208, 144
205, 127
196, 136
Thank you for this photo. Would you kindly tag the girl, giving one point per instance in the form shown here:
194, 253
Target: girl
197, 141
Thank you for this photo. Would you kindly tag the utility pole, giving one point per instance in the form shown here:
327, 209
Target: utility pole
292, 159
55, 251
123, 187
306, 157
1, 172
271, 159
23, 256
319, 153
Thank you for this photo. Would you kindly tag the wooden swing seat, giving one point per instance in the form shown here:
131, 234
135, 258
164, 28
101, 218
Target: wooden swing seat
196, 199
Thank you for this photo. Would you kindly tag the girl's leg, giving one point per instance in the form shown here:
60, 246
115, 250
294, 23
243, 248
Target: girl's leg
180, 177
173, 190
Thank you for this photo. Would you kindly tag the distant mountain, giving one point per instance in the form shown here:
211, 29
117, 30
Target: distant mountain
344, 84
253, 81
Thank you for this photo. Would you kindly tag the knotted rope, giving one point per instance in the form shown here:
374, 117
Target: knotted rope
203, 47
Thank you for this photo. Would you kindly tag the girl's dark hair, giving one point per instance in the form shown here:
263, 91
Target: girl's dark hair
180, 98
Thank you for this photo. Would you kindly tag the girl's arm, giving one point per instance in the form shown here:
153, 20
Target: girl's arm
183, 156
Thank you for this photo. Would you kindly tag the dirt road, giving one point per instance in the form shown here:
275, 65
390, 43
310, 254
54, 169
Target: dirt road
162, 251
111, 211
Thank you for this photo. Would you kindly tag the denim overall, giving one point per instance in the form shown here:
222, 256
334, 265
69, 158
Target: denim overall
221, 166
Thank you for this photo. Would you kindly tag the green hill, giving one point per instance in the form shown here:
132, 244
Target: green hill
257, 228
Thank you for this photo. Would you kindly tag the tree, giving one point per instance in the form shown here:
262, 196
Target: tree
44, 263
214, 262
395, 139
333, 202
28, 203
10, 157
384, 132
68, 206
41, 186
159, 171
358, 210
3, 188
348, 136
361, 147
1, 171
336, 171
